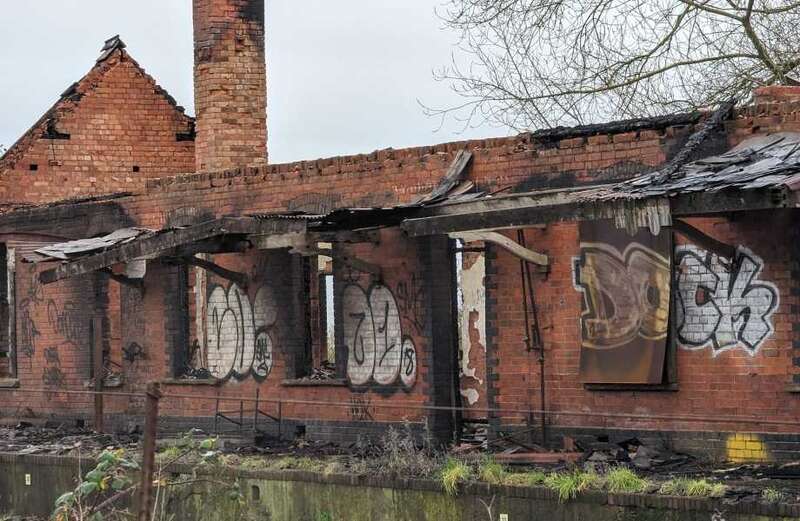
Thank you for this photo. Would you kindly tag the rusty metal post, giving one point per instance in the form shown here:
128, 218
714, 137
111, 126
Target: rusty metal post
280, 418
149, 451
241, 416
97, 361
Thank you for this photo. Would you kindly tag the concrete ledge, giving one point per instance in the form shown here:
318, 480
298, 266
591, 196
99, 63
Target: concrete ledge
644, 501
9, 383
300, 382
189, 381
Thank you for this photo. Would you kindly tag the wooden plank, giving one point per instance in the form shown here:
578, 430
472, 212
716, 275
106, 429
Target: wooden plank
504, 218
518, 211
505, 243
703, 240
168, 240
451, 178
122, 279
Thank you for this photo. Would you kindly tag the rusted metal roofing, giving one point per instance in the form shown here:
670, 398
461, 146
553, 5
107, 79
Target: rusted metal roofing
770, 161
80, 247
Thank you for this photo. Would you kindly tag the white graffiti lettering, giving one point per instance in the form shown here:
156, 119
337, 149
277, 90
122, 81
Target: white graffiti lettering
377, 350
721, 303
238, 332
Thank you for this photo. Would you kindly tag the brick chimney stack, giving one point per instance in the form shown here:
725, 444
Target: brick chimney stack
230, 84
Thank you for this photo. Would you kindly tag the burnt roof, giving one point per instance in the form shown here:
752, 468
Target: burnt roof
768, 161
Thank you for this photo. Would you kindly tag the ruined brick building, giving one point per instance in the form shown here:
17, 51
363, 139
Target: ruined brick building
608, 275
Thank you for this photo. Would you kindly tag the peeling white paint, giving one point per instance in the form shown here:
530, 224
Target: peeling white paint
471, 395
472, 315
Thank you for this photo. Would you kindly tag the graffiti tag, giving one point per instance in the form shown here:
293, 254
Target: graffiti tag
377, 349
238, 332
722, 304
625, 294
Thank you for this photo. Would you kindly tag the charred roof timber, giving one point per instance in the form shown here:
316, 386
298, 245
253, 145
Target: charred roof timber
553, 135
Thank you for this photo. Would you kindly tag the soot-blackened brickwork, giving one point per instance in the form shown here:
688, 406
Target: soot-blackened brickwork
396, 338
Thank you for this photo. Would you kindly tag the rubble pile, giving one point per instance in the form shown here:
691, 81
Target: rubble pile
632, 451
60, 440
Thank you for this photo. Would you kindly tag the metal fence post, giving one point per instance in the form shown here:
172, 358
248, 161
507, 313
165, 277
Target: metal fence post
149, 452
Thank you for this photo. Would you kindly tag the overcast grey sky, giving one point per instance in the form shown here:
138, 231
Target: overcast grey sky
344, 76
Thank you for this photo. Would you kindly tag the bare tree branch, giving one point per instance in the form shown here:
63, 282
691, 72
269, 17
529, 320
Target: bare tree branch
536, 63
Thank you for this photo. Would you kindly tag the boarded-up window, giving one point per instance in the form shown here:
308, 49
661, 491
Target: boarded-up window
625, 282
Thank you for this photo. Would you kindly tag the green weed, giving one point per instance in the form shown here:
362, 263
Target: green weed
569, 484
693, 488
491, 471
771, 495
454, 472
622, 479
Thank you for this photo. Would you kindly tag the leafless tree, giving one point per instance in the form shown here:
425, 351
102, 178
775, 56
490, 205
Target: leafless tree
543, 63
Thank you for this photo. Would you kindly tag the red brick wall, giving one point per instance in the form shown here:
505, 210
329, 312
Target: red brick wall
230, 83
707, 384
731, 382
117, 120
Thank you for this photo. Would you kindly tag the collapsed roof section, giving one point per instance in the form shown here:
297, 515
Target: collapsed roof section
295, 230
761, 173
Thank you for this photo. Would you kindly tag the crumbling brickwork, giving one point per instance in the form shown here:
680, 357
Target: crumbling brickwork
396, 347
108, 133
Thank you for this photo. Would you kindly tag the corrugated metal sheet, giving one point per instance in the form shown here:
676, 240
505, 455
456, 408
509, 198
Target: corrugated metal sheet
70, 249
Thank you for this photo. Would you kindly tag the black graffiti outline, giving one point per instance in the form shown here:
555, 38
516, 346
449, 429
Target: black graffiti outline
52, 375
28, 332
356, 337
408, 361
385, 331
361, 408
735, 271
588, 310
132, 352
262, 355
216, 320
371, 383
66, 321
411, 301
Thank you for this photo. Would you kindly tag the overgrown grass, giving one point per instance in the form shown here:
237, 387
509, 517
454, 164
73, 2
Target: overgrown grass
452, 474
293, 463
569, 484
530, 479
772, 495
692, 488
491, 471
624, 480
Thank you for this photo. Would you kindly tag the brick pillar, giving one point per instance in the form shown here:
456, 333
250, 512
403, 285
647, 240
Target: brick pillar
230, 84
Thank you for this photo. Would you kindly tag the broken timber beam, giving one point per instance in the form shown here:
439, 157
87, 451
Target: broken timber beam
702, 239
505, 243
216, 269
122, 279
167, 240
